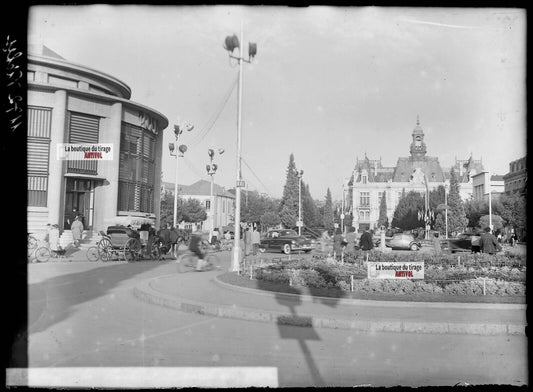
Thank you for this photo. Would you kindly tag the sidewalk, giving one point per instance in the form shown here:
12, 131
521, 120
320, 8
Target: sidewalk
205, 294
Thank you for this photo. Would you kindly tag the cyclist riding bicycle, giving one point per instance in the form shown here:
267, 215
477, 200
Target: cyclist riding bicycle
195, 244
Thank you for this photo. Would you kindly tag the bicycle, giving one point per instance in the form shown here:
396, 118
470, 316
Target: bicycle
187, 262
44, 253
93, 254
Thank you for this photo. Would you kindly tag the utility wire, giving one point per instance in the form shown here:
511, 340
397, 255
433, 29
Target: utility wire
213, 119
258, 179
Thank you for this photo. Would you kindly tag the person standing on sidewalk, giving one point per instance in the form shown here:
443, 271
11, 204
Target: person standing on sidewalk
256, 240
365, 242
247, 241
77, 229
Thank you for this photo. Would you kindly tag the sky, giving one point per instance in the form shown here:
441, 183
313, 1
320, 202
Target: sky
328, 84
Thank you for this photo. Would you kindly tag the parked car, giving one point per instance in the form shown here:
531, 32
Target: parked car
285, 241
401, 241
465, 242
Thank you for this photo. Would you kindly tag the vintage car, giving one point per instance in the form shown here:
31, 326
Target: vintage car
465, 242
401, 241
285, 241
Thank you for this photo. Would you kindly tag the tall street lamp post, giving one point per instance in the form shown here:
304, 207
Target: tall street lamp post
446, 206
299, 173
178, 151
230, 44
211, 170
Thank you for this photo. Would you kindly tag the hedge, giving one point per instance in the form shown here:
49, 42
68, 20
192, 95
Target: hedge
439, 278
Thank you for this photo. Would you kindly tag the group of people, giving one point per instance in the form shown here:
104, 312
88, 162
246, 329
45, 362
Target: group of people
346, 243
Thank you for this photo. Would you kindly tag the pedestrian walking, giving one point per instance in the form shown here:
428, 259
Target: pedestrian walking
350, 240
488, 242
77, 229
256, 240
214, 236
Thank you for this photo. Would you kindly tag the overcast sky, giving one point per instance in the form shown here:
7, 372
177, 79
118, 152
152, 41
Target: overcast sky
328, 84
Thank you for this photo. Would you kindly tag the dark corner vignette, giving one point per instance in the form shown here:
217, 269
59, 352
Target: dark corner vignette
13, 151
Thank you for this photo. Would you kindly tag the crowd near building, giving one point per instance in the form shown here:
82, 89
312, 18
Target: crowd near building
71, 103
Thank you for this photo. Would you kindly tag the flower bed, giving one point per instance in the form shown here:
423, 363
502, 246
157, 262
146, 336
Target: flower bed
476, 275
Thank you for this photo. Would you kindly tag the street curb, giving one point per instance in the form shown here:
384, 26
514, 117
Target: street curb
375, 303
146, 293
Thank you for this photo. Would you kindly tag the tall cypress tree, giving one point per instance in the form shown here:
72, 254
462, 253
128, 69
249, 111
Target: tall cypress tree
383, 219
457, 219
288, 208
328, 218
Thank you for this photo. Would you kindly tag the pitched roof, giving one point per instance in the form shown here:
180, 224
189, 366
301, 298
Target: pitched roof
200, 188
430, 166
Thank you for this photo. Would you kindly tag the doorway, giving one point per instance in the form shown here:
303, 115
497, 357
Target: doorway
79, 200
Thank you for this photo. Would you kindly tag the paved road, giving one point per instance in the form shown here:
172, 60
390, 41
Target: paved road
85, 315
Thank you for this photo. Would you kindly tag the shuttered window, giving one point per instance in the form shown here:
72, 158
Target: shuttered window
38, 154
83, 129
136, 169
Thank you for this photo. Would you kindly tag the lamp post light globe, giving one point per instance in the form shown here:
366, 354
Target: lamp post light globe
177, 151
230, 44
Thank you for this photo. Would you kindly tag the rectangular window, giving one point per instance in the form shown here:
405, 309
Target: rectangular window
364, 200
38, 155
208, 205
83, 129
136, 169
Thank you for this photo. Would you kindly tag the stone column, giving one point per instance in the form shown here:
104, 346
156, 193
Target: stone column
55, 166
107, 200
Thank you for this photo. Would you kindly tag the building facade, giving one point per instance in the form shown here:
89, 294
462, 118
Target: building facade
73, 104
516, 180
220, 207
418, 172
483, 183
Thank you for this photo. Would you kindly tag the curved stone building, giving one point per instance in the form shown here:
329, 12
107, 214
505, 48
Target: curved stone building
73, 104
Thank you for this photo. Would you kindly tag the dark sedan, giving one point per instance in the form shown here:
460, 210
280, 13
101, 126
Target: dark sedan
285, 241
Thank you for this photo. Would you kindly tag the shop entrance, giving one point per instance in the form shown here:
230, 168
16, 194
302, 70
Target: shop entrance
79, 200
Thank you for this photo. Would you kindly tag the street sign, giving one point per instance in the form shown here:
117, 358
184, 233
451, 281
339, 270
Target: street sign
336, 225
342, 216
241, 184
299, 224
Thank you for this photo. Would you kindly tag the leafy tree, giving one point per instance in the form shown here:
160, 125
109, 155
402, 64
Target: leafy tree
328, 217
254, 205
457, 220
288, 208
406, 215
514, 210
269, 219
167, 209
475, 209
193, 211
497, 222
383, 220
309, 208
436, 197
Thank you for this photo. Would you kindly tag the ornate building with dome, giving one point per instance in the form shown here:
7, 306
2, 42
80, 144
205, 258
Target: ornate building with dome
418, 172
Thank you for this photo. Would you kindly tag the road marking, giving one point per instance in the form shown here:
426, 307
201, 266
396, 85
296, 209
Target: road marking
140, 377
